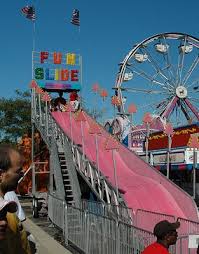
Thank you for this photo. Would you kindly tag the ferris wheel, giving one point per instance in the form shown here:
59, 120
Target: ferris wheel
161, 75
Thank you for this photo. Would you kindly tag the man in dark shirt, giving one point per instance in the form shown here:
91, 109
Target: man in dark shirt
166, 235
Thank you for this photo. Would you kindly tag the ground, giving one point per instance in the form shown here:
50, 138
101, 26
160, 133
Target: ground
45, 224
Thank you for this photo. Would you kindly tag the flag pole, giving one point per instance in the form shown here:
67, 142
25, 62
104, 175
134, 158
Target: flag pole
33, 39
81, 88
34, 27
194, 171
33, 49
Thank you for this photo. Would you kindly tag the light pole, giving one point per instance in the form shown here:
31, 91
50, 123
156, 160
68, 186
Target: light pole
147, 119
132, 109
46, 98
104, 95
33, 86
82, 118
95, 89
95, 129
70, 109
112, 144
169, 132
39, 91
194, 144
116, 102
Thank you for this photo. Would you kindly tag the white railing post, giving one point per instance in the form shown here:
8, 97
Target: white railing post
40, 113
117, 236
87, 236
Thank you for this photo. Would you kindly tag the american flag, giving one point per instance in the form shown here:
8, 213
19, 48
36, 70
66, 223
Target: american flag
29, 12
75, 18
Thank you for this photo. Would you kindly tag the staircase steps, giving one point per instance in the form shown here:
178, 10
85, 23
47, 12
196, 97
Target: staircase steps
66, 180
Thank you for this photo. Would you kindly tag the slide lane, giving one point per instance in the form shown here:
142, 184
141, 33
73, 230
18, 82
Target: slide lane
144, 187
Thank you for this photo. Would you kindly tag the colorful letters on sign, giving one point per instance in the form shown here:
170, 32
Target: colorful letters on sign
56, 67
56, 74
58, 58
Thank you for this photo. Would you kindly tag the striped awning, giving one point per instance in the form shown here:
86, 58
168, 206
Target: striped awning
176, 167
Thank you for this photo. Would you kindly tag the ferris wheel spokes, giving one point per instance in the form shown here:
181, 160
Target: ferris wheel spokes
193, 99
157, 68
185, 110
156, 106
150, 91
146, 76
193, 109
190, 71
163, 67
171, 69
193, 83
182, 50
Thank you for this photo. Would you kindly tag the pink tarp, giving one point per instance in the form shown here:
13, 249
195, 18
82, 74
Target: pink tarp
144, 187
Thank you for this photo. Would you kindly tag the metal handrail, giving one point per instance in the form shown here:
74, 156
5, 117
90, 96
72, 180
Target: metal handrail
86, 163
99, 234
21, 179
41, 117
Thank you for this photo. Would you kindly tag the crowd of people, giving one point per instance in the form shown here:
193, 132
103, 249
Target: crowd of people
13, 237
60, 103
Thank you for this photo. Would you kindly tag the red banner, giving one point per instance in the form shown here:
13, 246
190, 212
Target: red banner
159, 140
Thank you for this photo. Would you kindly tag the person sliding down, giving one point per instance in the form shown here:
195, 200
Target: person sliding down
74, 100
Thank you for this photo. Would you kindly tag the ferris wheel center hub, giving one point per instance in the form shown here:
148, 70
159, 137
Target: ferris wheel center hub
181, 92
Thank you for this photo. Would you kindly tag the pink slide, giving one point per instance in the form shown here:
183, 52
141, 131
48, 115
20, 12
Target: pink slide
144, 187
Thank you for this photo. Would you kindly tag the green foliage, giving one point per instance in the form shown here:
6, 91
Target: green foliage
94, 111
15, 117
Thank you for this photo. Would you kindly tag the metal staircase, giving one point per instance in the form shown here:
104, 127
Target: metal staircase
68, 164
66, 180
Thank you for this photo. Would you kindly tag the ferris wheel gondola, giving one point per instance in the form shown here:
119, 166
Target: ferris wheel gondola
162, 73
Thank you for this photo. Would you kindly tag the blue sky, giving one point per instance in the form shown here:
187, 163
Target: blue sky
108, 31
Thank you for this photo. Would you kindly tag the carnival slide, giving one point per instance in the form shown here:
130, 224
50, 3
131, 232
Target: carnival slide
143, 186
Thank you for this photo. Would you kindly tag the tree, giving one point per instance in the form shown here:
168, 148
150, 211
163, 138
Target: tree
97, 114
15, 117
93, 111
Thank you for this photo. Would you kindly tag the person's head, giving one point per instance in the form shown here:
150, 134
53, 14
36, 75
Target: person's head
166, 232
11, 163
60, 94
5, 206
61, 101
74, 92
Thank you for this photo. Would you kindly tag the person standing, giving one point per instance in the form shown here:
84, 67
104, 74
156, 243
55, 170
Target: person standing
166, 234
11, 162
74, 99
